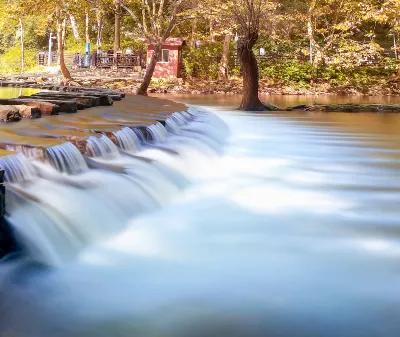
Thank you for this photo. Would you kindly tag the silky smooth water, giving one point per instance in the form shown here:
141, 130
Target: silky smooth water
292, 229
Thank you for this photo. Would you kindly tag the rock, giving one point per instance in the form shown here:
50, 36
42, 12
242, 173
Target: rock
45, 107
355, 108
271, 107
64, 105
28, 112
9, 113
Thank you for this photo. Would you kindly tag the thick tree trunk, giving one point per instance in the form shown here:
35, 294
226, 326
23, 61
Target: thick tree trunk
99, 19
149, 71
117, 29
22, 46
250, 100
223, 68
87, 29
60, 42
74, 27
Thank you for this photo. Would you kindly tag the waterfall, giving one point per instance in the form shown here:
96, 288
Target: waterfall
66, 158
158, 132
72, 201
17, 168
140, 134
127, 140
101, 147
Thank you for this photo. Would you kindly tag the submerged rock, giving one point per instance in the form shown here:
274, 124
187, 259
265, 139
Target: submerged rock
348, 107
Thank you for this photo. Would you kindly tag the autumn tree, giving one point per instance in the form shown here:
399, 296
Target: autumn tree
15, 12
331, 23
388, 12
248, 15
155, 19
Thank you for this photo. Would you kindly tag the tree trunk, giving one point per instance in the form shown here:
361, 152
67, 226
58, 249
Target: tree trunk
194, 31
74, 27
212, 32
22, 46
64, 30
250, 100
223, 69
99, 19
117, 29
317, 58
149, 71
87, 31
60, 35
311, 39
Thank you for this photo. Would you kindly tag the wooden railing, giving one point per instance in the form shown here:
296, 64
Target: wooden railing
96, 60
109, 60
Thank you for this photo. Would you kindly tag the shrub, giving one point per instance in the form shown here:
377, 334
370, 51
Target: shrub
289, 71
10, 62
202, 62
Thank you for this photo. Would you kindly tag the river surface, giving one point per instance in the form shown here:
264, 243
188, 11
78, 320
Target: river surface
294, 231
9, 92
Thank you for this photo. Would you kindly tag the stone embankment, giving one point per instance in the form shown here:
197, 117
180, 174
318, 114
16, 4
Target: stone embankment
53, 117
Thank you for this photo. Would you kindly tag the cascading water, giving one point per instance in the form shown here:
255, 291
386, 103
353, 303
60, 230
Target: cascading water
66, 158
17, 168
127, 140
292, 232
77, 201
101, 147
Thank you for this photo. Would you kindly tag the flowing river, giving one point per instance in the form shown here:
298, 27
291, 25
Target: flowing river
267, 224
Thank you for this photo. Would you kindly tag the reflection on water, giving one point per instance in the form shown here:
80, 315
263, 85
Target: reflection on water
293, 231
233, 101
6, 92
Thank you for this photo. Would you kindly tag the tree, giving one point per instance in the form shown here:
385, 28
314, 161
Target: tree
388, 13
158, 20
74, 27
117, 36
60, 15
248, 15
21, 25
332, 22
15, 12
223, 68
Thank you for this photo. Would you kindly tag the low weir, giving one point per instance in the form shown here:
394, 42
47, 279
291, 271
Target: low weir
74, 179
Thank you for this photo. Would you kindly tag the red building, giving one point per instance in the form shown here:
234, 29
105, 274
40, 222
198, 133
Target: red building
169, 64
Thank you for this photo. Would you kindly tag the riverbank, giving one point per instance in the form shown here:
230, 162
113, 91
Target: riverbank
128, 82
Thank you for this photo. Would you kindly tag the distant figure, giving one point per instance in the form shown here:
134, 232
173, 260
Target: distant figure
128, 51
78, 60
262, 52
87, 60
198, 43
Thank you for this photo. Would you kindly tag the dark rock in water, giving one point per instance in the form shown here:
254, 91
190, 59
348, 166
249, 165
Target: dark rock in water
349, 107
7, 241
78, 97
64, 105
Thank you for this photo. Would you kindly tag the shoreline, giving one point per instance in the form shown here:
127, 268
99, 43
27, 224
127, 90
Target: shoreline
127, 83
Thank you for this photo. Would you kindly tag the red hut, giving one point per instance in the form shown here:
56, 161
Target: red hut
169, 64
